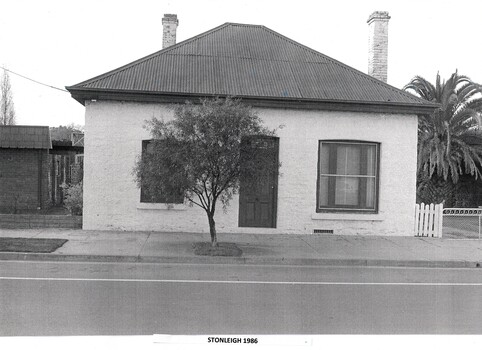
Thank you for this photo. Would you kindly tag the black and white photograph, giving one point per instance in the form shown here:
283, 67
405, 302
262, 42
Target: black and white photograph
181, 174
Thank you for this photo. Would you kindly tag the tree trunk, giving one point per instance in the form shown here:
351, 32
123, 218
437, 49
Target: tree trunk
212, 230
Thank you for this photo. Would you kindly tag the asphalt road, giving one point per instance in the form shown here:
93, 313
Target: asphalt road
63, 298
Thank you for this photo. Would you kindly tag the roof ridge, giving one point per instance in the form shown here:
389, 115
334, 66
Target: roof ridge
345, 66
244, 24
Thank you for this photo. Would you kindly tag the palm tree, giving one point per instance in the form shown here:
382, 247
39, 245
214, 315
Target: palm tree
450, 139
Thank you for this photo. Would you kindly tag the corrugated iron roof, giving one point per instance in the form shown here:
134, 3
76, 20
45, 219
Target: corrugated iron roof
24, 136
247, 61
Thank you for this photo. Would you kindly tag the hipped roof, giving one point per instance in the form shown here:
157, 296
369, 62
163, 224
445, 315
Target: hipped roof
254, 63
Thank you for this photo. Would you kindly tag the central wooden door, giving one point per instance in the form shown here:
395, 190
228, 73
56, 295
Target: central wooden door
258, 201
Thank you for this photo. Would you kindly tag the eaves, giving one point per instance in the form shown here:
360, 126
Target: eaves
85, 94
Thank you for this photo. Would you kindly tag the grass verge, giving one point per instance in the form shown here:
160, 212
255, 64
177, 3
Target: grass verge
30, 245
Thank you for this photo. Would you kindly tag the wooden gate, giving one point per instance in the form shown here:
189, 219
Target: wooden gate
428, 220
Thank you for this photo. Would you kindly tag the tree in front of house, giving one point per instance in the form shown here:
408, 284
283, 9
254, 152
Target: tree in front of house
202, 153
450, 139
7, 110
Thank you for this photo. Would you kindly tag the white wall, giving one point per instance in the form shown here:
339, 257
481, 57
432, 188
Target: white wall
114, 131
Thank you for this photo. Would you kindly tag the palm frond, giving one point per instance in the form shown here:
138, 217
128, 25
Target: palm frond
421, 87
447, 147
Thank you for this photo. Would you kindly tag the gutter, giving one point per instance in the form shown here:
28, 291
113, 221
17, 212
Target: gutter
83, 94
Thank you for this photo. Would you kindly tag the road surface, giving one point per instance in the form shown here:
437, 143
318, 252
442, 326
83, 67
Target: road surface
72, 298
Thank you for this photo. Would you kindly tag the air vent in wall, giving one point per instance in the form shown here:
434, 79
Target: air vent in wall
322, 231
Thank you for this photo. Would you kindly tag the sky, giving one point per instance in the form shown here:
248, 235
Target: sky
61, 43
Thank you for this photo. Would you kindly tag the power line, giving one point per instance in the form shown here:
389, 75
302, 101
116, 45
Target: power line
35, 81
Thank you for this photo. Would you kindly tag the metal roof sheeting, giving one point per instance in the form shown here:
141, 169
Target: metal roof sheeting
248, 61
22, 136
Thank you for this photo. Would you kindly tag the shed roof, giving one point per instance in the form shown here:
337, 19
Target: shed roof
248, 61
25, 136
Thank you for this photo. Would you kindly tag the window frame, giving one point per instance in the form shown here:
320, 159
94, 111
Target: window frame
143, 199
348, 209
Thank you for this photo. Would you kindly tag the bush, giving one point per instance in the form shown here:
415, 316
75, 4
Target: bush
466, 194
73, 198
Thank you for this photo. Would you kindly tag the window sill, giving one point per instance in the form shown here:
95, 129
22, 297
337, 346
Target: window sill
347, 216
160, 206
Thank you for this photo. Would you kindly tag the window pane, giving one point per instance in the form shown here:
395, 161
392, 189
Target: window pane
348, 160
325, 159
150, 147
371, 156
323, 194
370, 203
346, 191
156, 193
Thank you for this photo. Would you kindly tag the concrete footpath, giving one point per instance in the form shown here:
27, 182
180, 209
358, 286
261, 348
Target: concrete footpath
276, 249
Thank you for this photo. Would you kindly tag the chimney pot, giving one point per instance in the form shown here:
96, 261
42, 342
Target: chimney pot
378, 45
169, 24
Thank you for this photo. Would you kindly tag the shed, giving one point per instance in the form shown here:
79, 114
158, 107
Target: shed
24, 167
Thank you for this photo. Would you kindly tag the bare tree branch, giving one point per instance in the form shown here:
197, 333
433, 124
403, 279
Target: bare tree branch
196, 203
7, 110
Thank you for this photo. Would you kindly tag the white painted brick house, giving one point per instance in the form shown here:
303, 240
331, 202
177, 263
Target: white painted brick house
348, 145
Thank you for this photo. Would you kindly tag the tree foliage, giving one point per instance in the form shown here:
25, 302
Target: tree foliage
63, 133
202, 154
449, 140
73, 198
7, 110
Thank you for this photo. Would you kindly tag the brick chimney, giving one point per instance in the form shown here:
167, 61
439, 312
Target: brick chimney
378, 45
169, 24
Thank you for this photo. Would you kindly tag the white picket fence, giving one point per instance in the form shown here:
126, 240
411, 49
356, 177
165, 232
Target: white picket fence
428, 220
